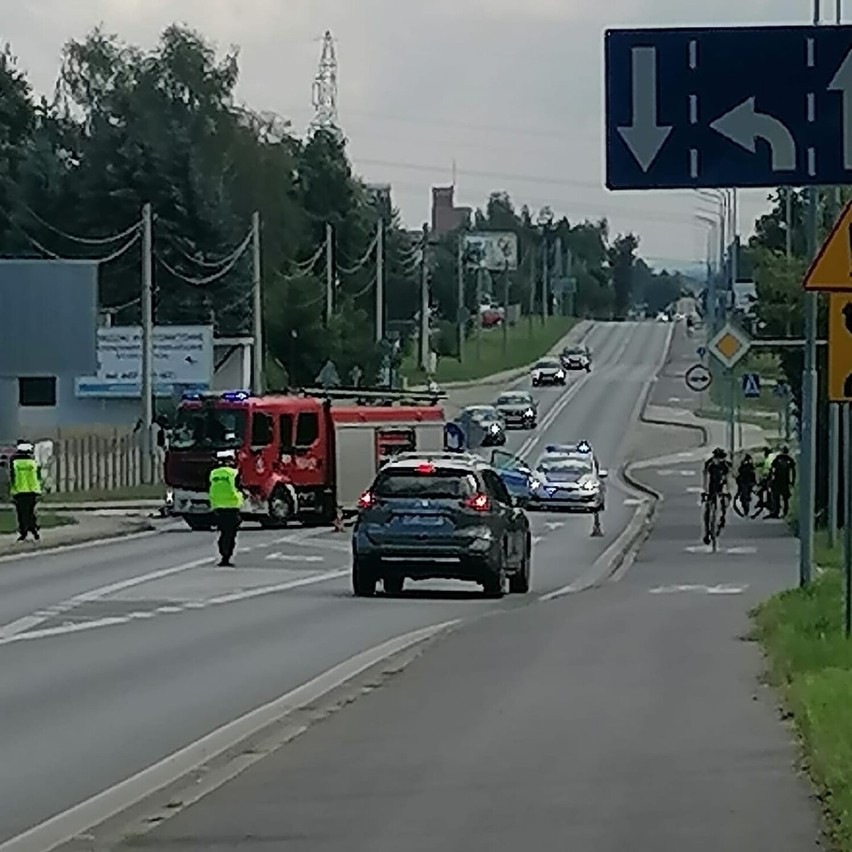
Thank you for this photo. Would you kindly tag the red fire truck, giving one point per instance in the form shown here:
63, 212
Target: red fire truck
302, 456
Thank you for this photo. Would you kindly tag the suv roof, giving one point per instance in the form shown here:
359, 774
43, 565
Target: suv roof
459, 461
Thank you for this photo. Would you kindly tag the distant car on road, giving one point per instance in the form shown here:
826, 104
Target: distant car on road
548, 371
517, 408
489, 420
448, 517
576, 358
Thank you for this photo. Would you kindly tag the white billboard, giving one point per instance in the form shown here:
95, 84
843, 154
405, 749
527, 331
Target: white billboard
183, 358
493, 250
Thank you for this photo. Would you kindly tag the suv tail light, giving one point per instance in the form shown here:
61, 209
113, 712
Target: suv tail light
366, 500
479, 503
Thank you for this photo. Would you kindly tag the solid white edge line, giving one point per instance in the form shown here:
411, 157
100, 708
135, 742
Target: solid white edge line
67, 825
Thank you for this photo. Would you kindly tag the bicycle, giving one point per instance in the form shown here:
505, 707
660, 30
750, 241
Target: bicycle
712, 519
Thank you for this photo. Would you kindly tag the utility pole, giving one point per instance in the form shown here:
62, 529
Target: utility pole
480, 275
531, 262
329, 273
545, 268
424, 303
558, 273
505, 322
460, 294
808, 415
147, 384
380, 281
257, 306
572, 284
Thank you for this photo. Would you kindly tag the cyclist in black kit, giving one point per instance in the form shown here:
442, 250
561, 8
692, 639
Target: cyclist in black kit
717, 472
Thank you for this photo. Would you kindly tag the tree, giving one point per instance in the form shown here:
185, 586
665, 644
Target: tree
622, 257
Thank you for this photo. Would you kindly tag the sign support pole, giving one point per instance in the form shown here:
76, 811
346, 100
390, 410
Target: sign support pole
732, 402
847, 511
460, 300
833, 471
809, 401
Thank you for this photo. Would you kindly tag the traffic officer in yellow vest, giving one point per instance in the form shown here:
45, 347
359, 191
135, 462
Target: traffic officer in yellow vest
25, 487
226, 501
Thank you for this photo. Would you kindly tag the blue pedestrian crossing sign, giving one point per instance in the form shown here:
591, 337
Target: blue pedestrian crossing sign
751, 385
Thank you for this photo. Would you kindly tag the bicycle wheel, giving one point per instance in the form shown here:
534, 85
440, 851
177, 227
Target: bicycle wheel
712, 525
739, 506
761, 506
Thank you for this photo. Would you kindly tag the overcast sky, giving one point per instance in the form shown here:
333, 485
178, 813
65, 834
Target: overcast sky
512, 90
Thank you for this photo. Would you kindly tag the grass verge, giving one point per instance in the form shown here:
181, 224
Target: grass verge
525, 344
810, 662
97, 495
46, 520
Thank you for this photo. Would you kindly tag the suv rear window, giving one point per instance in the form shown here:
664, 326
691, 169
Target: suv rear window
441, 483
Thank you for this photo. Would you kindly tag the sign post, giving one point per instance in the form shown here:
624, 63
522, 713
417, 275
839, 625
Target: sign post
847, 512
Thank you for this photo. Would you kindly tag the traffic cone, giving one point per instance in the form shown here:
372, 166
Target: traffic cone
338, 521
597, 532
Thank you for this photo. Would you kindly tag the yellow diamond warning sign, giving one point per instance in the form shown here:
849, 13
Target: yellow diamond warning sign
832, 267
729, 345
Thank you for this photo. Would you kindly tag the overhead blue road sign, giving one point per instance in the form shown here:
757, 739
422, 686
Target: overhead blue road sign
735, 107
751, 385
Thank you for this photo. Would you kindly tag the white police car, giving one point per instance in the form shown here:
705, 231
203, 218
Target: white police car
569, 477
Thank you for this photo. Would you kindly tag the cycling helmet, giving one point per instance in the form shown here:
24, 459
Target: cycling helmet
719, 453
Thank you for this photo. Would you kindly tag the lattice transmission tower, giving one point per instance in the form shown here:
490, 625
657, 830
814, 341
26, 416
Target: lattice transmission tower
325, 90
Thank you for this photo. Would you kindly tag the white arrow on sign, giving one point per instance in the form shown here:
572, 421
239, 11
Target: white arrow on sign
842, 82
643, 136
743, 125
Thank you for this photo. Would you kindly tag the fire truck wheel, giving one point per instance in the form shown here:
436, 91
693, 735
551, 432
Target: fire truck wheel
363, 579
280, 508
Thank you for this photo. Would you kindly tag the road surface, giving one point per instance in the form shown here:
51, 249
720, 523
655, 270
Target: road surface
117, 655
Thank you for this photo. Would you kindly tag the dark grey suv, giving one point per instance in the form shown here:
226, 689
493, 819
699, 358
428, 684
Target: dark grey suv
440, 517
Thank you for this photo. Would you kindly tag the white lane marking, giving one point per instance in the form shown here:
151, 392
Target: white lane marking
694, 489
294, 557
28, 622
554, 525
675, 399
741, 551
113, 621
688, 472
81, 818
554, 412
633, 501
537, 538
732, 551
707, 590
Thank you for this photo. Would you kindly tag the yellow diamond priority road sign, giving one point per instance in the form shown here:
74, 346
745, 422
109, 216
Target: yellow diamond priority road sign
729, 345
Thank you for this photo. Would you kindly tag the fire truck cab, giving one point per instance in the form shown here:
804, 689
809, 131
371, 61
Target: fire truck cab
302, 456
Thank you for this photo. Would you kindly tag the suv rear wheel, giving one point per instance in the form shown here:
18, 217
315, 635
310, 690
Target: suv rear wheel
494, 583
519, 584
364, 579
393, 585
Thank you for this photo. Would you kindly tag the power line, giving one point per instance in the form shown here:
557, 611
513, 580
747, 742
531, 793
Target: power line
89, 241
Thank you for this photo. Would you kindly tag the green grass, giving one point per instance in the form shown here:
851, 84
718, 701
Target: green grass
767, 422
524, 347
810, 661
138, 492
46, 520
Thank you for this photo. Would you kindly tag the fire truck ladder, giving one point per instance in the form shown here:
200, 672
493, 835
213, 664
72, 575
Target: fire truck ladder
362, 396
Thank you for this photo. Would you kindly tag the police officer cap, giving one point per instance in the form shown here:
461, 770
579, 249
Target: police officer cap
25, 447
719, 453
226, 455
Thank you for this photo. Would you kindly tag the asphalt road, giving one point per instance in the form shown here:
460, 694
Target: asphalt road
628, 717
117, 655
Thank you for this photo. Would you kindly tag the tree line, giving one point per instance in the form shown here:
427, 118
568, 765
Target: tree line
126, 126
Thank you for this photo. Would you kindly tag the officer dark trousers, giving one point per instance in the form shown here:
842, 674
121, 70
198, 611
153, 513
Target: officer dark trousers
227, 522
25, 509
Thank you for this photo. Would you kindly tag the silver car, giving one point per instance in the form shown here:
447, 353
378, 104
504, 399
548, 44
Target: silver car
548, 371
572, 482
517, 408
